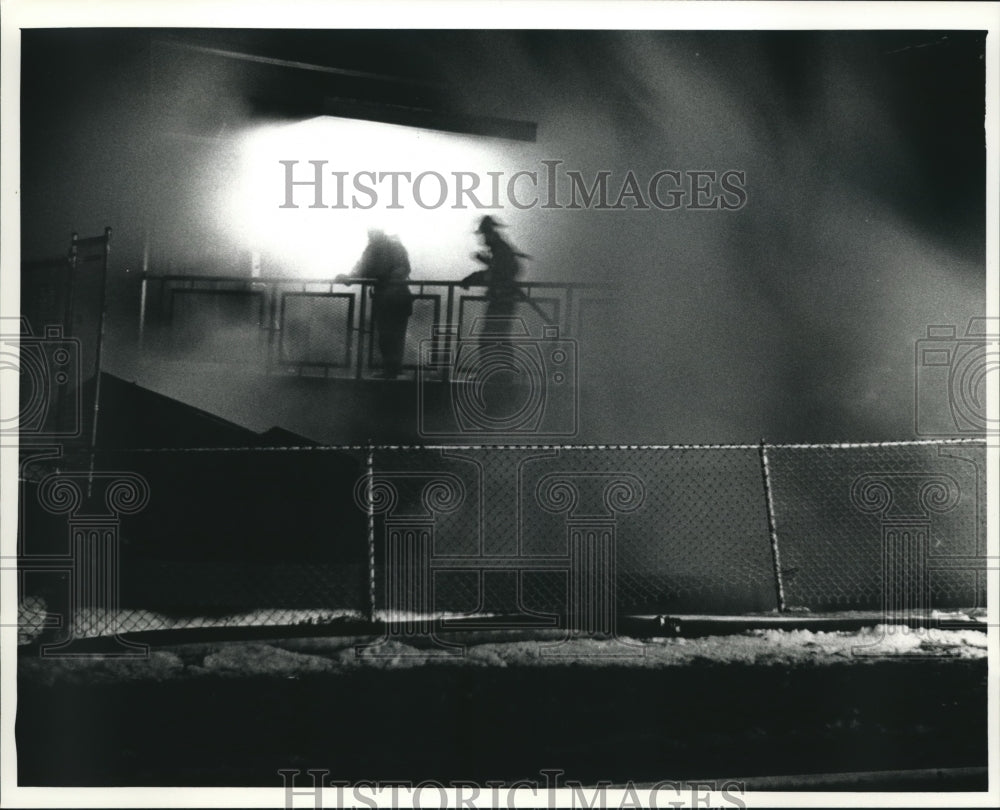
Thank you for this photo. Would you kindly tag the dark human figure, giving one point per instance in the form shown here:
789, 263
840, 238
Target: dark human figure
499, 276
386, 261
498, 376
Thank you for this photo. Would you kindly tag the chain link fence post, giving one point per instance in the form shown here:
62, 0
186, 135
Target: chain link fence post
772, 526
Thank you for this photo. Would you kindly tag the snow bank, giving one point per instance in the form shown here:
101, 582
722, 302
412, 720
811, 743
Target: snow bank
329, 656
93, 623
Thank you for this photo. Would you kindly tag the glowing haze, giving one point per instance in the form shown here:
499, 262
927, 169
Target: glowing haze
306, 241
794, 316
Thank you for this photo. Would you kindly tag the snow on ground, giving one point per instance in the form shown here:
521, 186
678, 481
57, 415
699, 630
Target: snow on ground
93, 623
298, 657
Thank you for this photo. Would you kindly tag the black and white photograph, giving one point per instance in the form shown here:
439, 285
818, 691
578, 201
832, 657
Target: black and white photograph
462, 404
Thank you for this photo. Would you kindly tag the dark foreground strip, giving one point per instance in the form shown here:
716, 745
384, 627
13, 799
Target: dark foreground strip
596, 724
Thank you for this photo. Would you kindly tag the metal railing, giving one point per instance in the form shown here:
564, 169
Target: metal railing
301, 325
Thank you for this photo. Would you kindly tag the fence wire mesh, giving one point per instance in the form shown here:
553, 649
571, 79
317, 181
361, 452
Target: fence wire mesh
551, 535
317, 329
836, 509
690, 533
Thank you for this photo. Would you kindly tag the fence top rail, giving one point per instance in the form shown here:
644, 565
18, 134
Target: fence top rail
412, 447
362, 281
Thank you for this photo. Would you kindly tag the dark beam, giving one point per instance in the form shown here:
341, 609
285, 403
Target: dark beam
488, 126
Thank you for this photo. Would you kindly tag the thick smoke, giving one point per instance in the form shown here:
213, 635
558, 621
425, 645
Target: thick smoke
794, 317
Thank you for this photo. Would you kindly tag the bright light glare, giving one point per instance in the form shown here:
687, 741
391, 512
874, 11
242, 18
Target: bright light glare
322, 242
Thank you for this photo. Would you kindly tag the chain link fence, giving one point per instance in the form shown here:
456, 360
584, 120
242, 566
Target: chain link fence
838, 511
690, 533
538, 536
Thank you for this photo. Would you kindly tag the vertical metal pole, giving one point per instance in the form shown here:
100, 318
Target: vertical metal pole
97, 359
273, 325
71, 286
362, 315
142, 310
448, 335
371, 532
67, 325
772, 527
